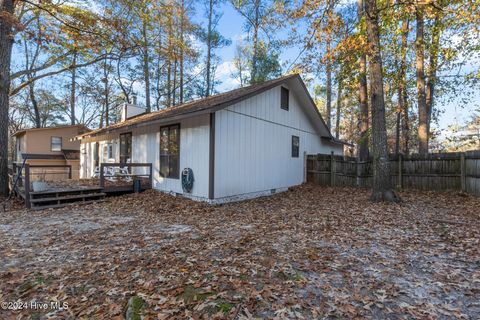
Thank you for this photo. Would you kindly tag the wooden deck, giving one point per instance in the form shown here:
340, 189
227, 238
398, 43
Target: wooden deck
66, 192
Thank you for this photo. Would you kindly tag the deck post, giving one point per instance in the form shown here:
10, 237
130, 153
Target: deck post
102, 182
27, 186
69, 172
463, 175
151, 175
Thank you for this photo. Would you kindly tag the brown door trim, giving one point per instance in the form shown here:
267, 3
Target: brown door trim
211, 164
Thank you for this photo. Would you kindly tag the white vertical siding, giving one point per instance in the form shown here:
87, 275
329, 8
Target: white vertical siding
194, 153
194, 148
253, 145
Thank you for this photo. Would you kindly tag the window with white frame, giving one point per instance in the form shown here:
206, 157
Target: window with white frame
56, 144
108, 151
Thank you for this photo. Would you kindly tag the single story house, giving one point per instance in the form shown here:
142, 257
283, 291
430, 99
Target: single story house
50, 146
240, 144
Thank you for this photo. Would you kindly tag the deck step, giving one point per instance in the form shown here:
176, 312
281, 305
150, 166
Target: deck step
53, 192
61, 205
70, 197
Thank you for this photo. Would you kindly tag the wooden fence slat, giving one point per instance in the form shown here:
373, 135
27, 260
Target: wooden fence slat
449, 171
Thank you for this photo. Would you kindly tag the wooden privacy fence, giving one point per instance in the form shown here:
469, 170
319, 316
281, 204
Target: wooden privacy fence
436, 172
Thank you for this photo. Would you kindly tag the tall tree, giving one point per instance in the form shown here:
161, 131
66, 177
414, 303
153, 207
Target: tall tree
73, 88
420, 73
433, 65
6, 41
209, 47
214, 40
402, 87
260, 18
382, 185
363, 152
339, 104
329, 83
145, 55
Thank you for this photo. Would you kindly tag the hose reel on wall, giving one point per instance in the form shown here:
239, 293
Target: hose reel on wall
187, 180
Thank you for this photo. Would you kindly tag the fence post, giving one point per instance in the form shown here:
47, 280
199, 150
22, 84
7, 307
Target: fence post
400, 176
27, 185
463, 175
332, 170
357, 171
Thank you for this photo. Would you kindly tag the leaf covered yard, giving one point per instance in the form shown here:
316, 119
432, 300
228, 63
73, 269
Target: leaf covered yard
308, 253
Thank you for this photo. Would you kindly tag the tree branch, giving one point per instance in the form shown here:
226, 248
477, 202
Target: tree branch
52, 73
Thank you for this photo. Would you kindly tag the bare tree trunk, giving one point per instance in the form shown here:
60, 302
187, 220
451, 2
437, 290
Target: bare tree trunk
398, 124
432, 68
107, 93
6, 42
146, 67
72, 91
169, 83
402, 88
169, 59
339, 107
182, 52
253, 75
33, 100
209, 48
362, 97
174, 94
329, 87
29, 65
382, 185
102, 116
120, 82
420, 68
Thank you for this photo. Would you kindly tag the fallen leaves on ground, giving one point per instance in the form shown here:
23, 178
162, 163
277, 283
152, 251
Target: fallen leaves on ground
309, 252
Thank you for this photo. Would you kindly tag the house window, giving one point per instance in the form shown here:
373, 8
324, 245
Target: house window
110, 151
170, 151
284, 98
56, 144
107, 151
295, 146
125, 147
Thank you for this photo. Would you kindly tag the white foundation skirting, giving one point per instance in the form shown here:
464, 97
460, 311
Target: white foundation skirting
236, 198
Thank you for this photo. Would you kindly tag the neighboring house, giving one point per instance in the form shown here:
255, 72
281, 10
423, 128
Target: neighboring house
240, 144
49, 146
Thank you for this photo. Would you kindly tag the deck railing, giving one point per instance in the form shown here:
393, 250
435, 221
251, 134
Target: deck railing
23, 188
111, 182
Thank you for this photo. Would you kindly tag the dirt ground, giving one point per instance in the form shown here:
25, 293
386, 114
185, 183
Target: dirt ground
311, 252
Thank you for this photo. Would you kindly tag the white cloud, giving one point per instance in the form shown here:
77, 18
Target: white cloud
224, 74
